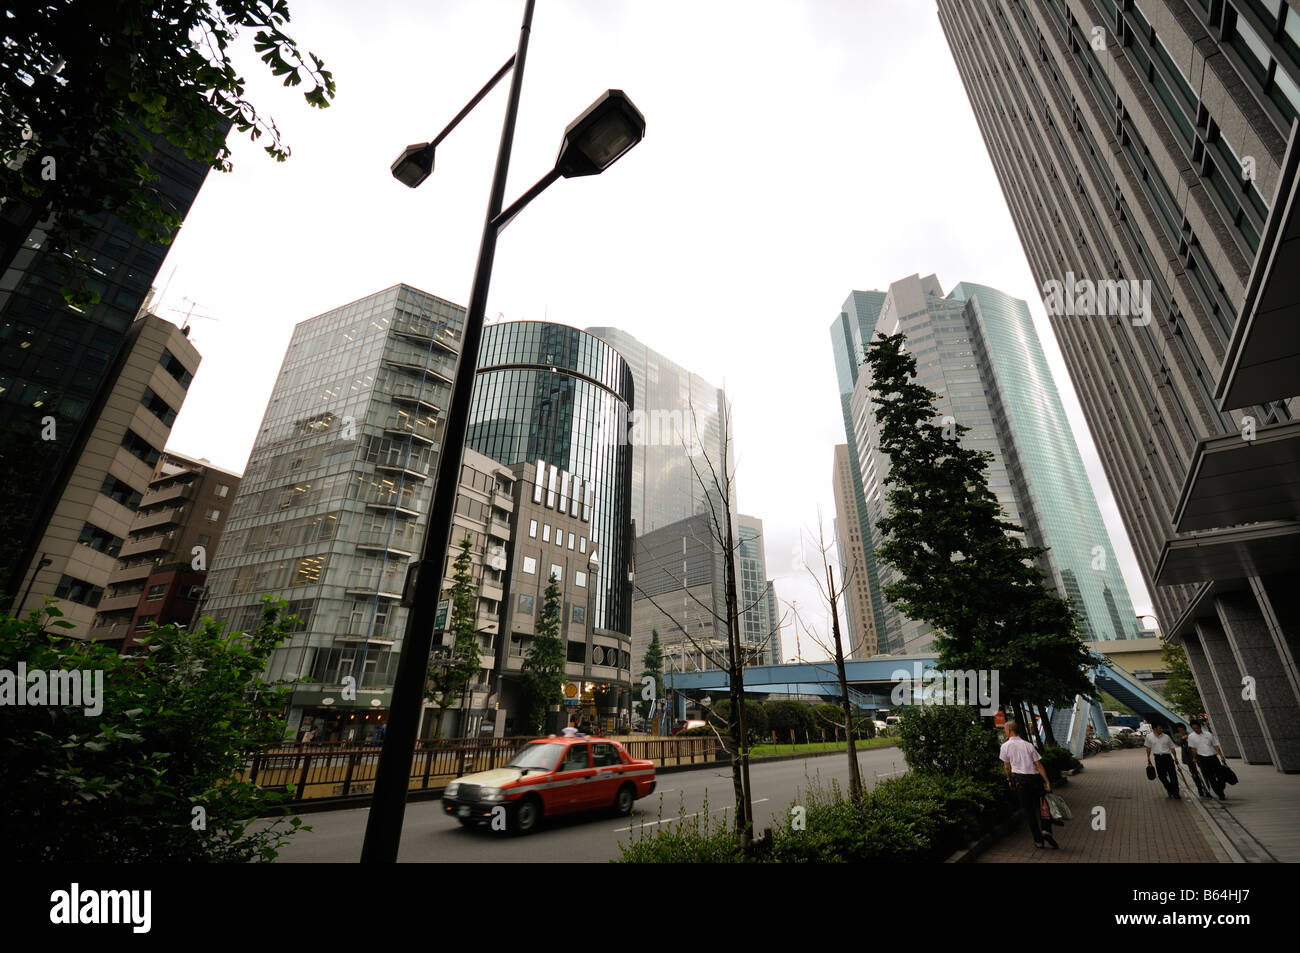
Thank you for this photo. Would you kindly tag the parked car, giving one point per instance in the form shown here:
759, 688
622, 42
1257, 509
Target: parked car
880, 725
547, 777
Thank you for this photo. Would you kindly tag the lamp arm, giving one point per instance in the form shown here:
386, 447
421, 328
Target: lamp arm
478, 97
503, 217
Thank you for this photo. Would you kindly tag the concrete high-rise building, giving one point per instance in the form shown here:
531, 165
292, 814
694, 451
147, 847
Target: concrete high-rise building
109, 468
851, 547
59, 363
677, 422
976, 349
774, 625
333, 505
1147, 150
162, 566
850, 332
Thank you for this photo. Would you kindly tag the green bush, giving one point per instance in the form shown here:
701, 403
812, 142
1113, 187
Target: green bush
692, 840
178, 724
864, 727
755, 720
1057, 759
947, 739
784, 717
827, 718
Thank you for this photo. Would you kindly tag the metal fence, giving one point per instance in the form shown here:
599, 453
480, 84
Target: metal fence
333, 770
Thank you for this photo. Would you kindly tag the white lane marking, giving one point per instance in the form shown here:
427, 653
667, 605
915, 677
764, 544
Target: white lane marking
623, 830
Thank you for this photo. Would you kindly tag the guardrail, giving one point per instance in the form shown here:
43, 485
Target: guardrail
334, 770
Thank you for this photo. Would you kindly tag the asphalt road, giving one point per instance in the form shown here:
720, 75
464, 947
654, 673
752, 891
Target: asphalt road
431, 836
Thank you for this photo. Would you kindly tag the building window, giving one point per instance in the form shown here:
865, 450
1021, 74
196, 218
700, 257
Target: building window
78, 591
222, 489
205, 540
116, 490
140, 448
546, 533
214, 515
557, 573
100, 540
572, 539
144, 622
580, 579
158, 407
532, 529
156, 591
582, 544
525, 605
175, 368
579, 614
530, 565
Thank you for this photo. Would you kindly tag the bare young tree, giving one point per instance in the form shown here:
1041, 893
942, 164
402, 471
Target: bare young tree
716, 479
824, 578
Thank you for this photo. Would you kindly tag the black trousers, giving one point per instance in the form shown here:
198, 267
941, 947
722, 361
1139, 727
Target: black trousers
1190, 765
1167, 772
1029, 792
1210, 768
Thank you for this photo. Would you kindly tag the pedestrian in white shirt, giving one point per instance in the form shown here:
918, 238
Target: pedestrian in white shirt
1028, 779
1208, 757
1161, 746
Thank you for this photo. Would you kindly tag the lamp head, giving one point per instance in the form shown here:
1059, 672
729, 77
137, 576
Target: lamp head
595, 140
414, 165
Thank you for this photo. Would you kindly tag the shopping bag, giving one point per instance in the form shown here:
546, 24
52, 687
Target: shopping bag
1056, 804
1044, 811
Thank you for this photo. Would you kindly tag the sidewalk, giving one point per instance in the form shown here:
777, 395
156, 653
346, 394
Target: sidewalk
1142, 824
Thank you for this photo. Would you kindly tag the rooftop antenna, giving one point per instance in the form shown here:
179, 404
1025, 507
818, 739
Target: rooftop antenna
189, 315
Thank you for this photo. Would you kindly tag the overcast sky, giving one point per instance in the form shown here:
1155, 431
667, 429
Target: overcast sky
795, 150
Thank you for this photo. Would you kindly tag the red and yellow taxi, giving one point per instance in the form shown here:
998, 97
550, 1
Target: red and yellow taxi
550, 776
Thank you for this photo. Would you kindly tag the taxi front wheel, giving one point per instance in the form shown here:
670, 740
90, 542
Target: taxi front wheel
525, 815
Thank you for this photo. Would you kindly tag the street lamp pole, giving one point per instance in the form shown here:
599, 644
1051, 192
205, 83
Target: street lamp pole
393, 774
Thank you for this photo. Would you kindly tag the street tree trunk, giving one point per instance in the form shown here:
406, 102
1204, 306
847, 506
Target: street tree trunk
855, 779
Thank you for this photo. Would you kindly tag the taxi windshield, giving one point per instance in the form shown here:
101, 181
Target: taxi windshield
537, 756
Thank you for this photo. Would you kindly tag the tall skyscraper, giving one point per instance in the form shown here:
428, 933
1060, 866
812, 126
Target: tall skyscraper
751, 574
59, 362
676, 423
1147, 150
977, 350
851, 546
850, 331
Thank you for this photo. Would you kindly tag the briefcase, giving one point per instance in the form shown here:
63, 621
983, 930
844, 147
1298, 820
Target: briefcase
1228, 774
1151, 772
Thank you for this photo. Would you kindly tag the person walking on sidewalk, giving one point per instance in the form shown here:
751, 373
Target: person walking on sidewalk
1161, 746
1208, 755
1028, 779
1189, 761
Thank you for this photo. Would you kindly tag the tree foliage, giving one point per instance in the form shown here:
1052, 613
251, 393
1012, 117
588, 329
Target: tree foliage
964, 568
784, 717
1180, 687
950, 740
653, 666
543, 666
178, 723
448, 676
86, 87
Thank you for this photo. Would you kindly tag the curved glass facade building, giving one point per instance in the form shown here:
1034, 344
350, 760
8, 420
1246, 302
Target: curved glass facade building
560, 395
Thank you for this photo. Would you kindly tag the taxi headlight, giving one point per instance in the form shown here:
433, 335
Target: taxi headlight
451, 789
490, 794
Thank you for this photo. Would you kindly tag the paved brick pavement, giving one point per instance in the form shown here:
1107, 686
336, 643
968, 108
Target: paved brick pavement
1142, 824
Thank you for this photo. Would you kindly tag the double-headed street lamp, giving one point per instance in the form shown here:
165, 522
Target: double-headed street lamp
592, 143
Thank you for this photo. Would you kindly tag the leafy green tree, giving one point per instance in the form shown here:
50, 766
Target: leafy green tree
962, 569
755, 720
543, 666
654, 668
449, 676
1180, 687
784, 717
946, 739
86, 88
155, 774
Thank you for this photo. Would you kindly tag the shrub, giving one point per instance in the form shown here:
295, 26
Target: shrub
947, 739
178, 723
1057, 759
784, 717
828, 718
864, 727
692, 840
755, 720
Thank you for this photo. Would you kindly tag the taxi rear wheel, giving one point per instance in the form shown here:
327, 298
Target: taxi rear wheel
624, 800
525, 815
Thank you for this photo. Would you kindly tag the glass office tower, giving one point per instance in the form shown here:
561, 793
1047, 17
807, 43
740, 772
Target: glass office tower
556, 394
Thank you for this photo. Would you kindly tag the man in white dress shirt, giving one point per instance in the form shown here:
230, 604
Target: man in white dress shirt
1161, 746
1208, 756
1028, 779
